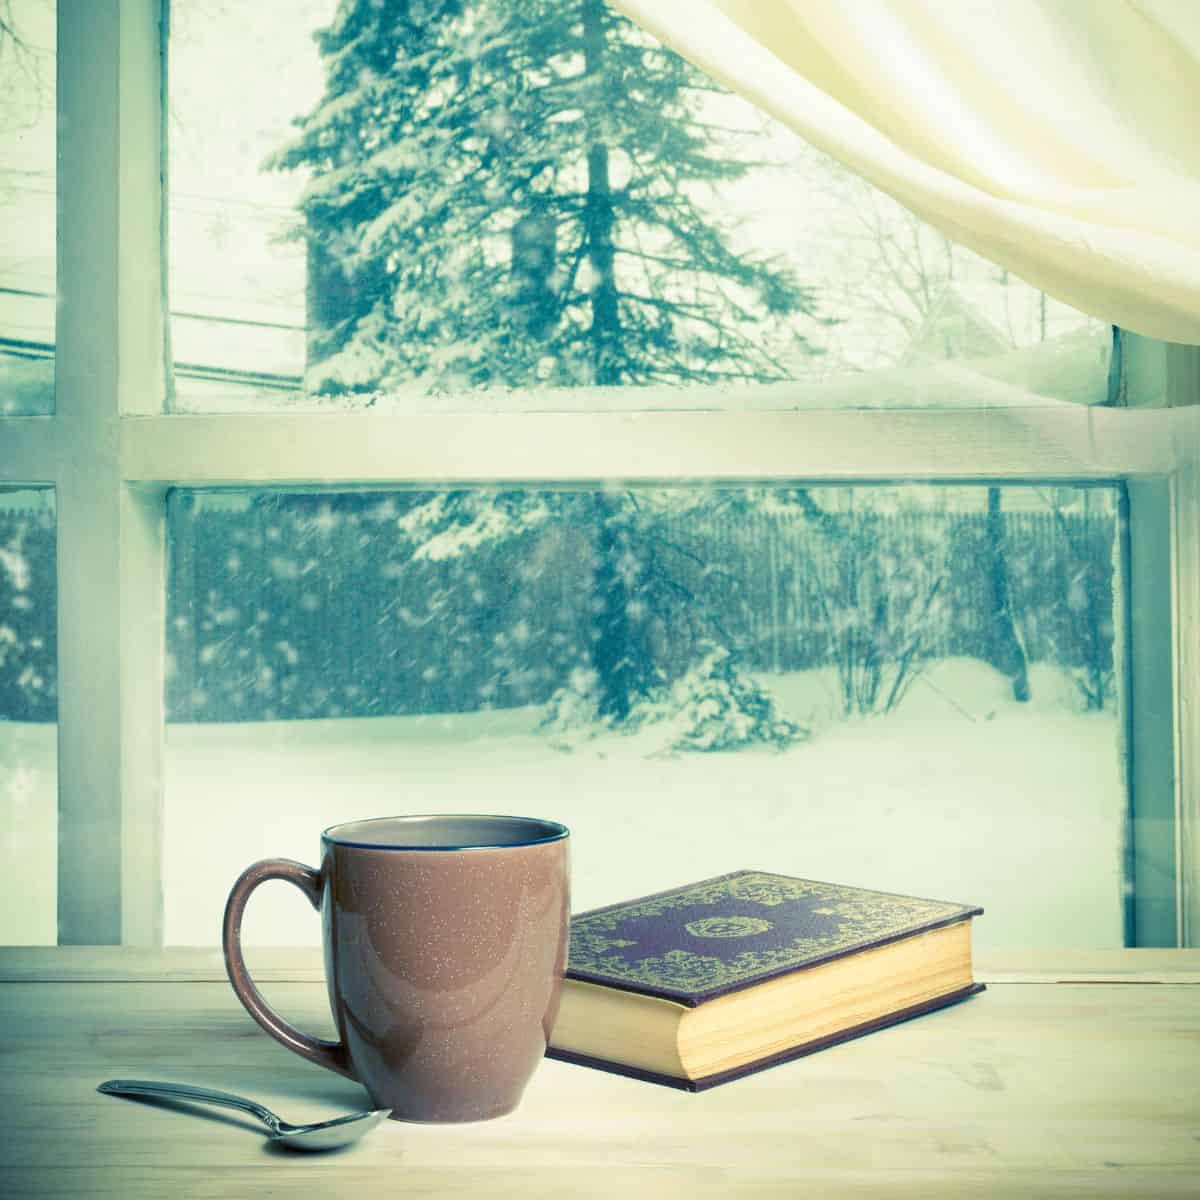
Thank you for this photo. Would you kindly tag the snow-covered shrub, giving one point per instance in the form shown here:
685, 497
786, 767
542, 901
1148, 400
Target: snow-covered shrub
1082, 639
878, 579
715, 706
573, 712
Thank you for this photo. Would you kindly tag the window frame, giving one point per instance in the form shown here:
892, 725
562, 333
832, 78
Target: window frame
112, 451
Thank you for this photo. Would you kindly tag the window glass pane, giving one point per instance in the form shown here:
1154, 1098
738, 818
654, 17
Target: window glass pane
28, 716
474, 204
27, 206
909, 688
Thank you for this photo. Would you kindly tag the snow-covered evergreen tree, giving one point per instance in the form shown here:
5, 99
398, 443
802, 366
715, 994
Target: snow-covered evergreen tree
511, 195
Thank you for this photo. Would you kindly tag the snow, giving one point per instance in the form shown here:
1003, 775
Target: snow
960, 794
28, 834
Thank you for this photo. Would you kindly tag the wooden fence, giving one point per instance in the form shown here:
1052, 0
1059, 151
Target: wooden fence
275, 613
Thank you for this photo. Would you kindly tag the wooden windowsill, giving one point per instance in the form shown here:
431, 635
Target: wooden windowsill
1073, 1075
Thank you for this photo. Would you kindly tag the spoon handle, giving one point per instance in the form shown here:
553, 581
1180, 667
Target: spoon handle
184, 1091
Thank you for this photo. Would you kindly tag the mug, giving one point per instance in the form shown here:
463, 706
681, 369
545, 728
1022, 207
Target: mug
445, 945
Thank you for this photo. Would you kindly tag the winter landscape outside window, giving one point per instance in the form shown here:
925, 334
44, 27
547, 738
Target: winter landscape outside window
27, 181
28, 711
487, 206
472, 306
820, 680
28, 812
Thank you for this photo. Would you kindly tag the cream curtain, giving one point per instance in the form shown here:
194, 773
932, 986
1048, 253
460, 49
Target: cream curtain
1059, 138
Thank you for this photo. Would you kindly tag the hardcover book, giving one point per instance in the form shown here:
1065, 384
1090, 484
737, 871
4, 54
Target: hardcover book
701, 984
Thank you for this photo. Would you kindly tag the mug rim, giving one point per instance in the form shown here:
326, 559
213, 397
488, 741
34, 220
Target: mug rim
554, 831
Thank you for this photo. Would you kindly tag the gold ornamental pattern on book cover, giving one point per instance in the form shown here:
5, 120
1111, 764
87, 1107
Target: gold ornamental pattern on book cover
794, 923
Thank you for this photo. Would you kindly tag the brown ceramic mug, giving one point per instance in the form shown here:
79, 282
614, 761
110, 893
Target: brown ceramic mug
445, 945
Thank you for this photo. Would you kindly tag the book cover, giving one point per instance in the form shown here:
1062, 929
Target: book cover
696, 942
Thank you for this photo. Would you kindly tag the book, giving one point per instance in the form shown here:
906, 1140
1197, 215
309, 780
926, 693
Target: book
705, 983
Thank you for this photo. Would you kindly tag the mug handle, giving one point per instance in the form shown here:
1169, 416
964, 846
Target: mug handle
332, 1055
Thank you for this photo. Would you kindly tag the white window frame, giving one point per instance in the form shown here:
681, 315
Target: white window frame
112, 452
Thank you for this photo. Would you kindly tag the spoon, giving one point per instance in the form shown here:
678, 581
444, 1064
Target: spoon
323, 1135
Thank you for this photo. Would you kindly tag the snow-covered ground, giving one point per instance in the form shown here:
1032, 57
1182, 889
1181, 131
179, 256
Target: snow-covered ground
962, 794
28, 834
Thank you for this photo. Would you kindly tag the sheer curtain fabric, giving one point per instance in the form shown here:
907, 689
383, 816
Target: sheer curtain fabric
1059, 138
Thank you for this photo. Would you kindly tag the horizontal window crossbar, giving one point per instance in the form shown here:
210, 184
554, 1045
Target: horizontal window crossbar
352, 448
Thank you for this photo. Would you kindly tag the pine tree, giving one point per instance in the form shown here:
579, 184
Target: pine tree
510, 195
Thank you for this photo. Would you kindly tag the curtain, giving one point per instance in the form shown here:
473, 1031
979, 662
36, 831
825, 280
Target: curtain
1058, 138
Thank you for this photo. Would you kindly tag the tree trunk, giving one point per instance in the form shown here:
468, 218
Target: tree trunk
620, 655
605, 332
534, 257
1007, 649
334, 297
328, 299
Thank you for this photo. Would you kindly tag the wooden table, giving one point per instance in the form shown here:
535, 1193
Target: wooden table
1086, 1087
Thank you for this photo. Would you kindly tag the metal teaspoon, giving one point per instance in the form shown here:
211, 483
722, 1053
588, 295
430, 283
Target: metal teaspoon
323, 1135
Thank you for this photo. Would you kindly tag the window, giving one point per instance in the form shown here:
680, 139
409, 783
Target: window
806, 679
302, 426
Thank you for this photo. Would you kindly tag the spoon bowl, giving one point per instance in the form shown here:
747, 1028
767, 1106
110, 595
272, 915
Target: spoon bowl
329, 1135
319, 1135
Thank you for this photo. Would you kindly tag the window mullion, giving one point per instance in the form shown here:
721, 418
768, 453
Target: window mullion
1183, 391
110, 535
1148, 703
